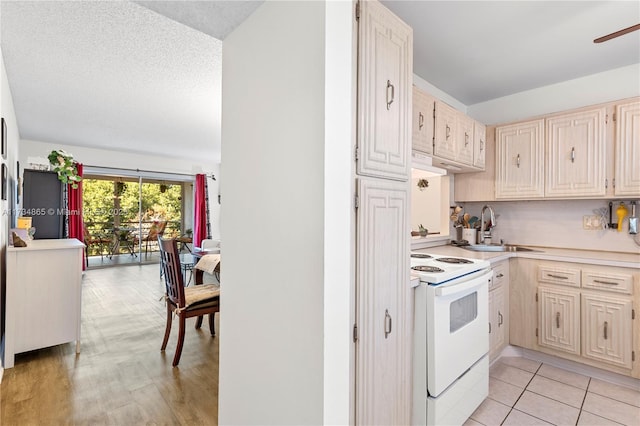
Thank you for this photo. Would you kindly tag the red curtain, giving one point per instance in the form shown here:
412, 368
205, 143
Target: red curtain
200, 212
76, 224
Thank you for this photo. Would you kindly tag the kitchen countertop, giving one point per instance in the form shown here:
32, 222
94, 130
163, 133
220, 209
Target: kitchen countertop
592, 257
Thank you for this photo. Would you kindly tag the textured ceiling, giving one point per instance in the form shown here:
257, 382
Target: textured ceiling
476, 51
216, 18
144, 76
112, 75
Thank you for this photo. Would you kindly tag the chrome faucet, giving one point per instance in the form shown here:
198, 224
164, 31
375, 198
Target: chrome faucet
486, 233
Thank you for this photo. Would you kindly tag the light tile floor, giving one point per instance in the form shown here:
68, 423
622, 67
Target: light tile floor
526, 392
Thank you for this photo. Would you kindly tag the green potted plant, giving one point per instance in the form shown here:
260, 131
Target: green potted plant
64, 165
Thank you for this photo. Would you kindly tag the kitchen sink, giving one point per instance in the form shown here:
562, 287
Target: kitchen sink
496, 247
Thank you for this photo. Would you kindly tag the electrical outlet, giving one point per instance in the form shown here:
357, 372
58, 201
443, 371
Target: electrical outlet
591, 222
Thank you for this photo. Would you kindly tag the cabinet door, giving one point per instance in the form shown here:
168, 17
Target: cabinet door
607, 328
627, 165
497, 320
385, 67
464, 136
422, 121
559, 319
519, 160
576, 154
384, 313
444, 143
479, 144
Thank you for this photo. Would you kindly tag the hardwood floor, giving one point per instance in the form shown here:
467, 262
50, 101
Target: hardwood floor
120, 377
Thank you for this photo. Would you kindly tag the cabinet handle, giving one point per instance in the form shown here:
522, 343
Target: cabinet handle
500, 319
489, 328
557, 319
448, 132
420, 121
573, 154
393, 94
518, 161
387, 323
499, 275
606, 324
481, 145
605, 282
466, 139
560, 277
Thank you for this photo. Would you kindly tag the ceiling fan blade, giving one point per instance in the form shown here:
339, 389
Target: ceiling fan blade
617, 33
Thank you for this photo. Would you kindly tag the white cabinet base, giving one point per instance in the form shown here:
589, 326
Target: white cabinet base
43, 297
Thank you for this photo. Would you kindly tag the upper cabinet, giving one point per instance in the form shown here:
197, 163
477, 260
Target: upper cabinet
454, 141
464, 137
520, 160
422, 121
385, 76
627, 169
590, 152
444, 141
576, 146
480, 144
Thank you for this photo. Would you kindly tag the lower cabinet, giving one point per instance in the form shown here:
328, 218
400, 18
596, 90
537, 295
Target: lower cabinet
559, 319
581, 312
498, 309
607, 329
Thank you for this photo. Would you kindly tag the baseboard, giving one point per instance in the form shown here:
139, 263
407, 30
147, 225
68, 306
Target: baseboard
572, 366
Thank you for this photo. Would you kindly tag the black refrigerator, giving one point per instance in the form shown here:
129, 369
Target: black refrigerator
43, 201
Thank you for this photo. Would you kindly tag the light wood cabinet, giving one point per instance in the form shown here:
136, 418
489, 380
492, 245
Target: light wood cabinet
607, 328
520, 160
464, 136
479, 144
385, 75
566, 310
627, 164
480, 186
575, 146
422, 121
559, 319
498, 309
445, 144
43, 296
383, 312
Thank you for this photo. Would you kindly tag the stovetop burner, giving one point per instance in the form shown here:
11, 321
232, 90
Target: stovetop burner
421, 256
453, 260
424, 268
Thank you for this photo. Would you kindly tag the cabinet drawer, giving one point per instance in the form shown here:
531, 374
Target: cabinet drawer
559, 275
618, 283
500, 275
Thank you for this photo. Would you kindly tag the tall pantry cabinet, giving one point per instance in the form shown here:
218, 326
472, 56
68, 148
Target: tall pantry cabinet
382, 332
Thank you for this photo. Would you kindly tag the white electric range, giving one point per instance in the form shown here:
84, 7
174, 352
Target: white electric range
451, 338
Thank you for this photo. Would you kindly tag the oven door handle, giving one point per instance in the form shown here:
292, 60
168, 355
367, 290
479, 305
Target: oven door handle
448, 290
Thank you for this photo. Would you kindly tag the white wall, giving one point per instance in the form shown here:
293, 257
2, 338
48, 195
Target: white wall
556, 224
127, 160
423, 84
272, 225
339, 219
7, 111
598, 88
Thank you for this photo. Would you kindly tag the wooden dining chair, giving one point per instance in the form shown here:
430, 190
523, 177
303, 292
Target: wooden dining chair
156, 230
195, 301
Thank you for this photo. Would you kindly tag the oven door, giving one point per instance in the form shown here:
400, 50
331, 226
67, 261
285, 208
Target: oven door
457, 328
